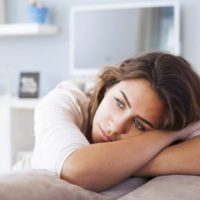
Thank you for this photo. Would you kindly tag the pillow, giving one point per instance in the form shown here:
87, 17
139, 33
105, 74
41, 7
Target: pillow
124, 187
171, 187
42, 185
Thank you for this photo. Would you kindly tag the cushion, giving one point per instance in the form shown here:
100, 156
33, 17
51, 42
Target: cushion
42, 185
124, 187
171, 187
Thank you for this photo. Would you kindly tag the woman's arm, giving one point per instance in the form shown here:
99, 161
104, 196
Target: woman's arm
99, 166
182, 158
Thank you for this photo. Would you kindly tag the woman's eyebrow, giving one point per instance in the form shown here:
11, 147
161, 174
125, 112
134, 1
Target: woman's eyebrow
129, 105
125, 98
145, 121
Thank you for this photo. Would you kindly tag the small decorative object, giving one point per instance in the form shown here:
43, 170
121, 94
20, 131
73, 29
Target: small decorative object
37, 12
29, 85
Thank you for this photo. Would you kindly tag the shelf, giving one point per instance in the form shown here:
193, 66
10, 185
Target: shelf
23, 103
27, 29
17, 103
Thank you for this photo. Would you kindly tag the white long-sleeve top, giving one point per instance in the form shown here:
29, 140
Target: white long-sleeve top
61, 120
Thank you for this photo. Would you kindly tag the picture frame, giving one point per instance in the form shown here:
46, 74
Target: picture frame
29, 84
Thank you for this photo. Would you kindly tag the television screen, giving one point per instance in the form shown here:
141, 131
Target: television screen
106, 35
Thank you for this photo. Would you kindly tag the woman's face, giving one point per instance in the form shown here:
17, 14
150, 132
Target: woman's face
129, 108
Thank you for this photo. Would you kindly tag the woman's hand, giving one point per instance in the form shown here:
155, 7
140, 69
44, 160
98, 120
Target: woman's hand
188, 130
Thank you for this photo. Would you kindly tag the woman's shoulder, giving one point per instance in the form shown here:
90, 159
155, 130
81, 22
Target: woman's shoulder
65, 100
66, 96
68, 90
70, 87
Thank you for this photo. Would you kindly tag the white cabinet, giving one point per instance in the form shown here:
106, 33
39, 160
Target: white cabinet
27, 29
16, 129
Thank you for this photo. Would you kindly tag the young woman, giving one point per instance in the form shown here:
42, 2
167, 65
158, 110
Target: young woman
140, 119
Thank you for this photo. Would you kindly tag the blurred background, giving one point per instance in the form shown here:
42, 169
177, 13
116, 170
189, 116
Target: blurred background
66, 44
49, 54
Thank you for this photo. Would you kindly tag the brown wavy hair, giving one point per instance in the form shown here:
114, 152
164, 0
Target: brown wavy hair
171, 77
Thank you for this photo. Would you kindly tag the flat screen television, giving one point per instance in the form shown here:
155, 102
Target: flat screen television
101, 35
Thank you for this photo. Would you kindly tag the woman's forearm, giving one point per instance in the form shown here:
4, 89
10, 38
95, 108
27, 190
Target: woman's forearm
182, 158
99, 166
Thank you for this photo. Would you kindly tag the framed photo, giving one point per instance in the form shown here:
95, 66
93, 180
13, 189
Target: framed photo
29, 85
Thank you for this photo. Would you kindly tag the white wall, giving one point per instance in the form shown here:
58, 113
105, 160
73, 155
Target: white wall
190, 31
49, 54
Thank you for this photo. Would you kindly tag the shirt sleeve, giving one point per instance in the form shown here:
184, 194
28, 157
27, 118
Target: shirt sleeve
58, 121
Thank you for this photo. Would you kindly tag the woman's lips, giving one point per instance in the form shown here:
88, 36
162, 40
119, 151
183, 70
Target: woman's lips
103, 135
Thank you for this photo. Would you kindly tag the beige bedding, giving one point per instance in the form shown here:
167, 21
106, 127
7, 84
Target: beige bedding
43, 185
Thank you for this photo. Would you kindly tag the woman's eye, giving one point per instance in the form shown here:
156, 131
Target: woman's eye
119, 103
138, 125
